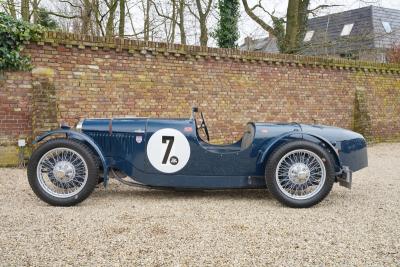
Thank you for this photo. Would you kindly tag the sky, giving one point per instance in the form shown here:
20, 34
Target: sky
247, 27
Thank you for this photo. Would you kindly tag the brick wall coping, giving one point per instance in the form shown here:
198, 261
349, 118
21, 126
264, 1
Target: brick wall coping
177, 50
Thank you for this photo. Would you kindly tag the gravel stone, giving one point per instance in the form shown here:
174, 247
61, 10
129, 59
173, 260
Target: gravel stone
128, 226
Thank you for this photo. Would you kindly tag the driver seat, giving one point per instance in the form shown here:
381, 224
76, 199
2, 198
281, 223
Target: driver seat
248, 136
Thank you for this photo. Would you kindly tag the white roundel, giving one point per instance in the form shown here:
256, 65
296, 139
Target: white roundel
168, 150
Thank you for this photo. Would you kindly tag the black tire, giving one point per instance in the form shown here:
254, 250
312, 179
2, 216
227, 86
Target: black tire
78, 147
272, 164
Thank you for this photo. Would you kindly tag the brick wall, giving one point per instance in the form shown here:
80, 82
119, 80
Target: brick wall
80, 76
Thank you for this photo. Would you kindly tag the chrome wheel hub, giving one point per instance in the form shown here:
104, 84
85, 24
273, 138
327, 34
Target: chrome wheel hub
299, 173
64, 171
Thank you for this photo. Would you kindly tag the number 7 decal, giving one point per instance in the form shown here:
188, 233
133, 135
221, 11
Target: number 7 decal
170, 140
168, 150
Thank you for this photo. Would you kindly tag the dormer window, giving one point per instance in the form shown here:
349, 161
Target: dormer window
309, 35
347, 29
386, 25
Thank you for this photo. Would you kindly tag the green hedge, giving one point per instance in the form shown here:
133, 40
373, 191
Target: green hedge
13, 34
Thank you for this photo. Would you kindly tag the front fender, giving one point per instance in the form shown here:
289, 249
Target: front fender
81, 137
297, 135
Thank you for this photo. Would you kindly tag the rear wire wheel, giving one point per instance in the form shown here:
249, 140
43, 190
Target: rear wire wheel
300, 174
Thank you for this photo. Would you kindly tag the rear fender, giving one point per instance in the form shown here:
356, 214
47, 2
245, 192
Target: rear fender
293, 136
83, 138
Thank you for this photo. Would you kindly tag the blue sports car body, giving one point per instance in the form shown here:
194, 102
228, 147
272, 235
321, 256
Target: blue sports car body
171, 152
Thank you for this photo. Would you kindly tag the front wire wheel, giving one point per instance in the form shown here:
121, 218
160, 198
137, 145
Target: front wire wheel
300, 174
63, 172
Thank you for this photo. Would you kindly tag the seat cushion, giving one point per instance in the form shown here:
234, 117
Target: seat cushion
248, 136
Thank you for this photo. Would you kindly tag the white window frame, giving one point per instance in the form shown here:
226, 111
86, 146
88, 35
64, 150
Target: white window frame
309, 35
347, 29
387, 27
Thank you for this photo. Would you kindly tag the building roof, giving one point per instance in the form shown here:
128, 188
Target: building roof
392, 16
266, 44
364, 28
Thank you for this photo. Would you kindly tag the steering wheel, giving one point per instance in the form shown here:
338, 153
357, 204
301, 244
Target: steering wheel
204, 126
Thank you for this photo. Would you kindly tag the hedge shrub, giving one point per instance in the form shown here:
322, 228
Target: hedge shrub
13, 34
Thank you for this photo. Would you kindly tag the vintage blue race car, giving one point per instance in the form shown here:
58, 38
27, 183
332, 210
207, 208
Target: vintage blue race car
297, 163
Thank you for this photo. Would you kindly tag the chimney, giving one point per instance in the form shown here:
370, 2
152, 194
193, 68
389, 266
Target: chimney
248, 41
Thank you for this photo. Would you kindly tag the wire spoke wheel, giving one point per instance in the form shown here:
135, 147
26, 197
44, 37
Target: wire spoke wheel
300, 174
62, 172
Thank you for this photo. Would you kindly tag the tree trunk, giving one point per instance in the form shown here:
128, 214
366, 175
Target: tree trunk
173, 22
35, 10
202, 18
121, 30
292, 26
182, 21
25, 10
303, 19
203, 32
289, 40
296, 24
87, 13
111, 18
146, 30
11, 8
98, 27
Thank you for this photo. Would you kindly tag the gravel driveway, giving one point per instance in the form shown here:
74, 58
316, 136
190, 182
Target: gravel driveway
124, 225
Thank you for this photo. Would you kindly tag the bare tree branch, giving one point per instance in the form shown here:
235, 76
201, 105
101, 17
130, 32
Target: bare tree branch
258, 20
63, 16
192, 12
71, 4
312, 11
160, 13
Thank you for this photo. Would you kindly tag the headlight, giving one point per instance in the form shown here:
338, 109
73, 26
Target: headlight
79, 125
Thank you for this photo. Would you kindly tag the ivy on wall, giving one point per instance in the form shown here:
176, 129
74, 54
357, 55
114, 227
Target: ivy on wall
227, 32
13, 34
